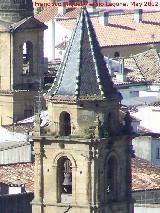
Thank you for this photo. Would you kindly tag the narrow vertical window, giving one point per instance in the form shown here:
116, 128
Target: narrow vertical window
27, 58
158, 153
65, 124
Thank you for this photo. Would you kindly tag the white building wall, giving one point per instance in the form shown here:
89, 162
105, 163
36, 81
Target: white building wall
18, 154
155, 154
54, 35
150, 117
142, 147
147, 208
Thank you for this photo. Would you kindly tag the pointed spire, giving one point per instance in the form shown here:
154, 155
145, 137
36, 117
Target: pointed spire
83, 72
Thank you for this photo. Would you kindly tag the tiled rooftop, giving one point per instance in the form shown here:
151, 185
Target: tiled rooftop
23, 172
50, 12
145, 175
19, 127
123, 30
144, 66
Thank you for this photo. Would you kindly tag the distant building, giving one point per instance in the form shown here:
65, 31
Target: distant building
21, 59
148, 148
119, 32
14, 147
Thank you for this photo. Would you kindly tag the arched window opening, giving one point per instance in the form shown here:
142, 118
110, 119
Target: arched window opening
111, 179
27, 57
116, 55
64, 179
65, 124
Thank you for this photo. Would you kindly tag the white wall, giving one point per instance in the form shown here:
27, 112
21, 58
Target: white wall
15, 190
129, 92
48, 41
150, 117
148, 93
54, 35
142, 147
148, 208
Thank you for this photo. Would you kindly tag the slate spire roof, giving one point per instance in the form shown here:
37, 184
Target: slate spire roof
83, 72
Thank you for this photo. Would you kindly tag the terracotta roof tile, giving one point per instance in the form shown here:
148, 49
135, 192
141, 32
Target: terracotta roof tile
52, 12
23, 172
123, 30
143, 67
144, 175
20, 127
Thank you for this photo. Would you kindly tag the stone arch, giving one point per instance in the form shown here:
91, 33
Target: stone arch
64, 124
65, 177
68, 155
111, 174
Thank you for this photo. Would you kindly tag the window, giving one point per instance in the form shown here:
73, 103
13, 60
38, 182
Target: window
64, 179
158, 153
116, 55
27, 58
65, 124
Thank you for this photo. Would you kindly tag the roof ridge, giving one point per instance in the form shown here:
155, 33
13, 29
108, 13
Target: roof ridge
62, 65
83, 71
94, 58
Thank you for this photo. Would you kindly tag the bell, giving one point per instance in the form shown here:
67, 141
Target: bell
67, 180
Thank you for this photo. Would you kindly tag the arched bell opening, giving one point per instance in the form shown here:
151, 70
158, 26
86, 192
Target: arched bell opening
65, 124
64, 175
27, 58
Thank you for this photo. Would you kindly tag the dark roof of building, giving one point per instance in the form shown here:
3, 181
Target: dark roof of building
14, 11
16, 5
27, 23
83, 72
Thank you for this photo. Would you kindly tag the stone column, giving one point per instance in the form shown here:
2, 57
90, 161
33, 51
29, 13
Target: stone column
38, 181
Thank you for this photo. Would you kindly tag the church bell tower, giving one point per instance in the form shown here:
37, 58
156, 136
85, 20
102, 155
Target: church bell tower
83, 158
21, 59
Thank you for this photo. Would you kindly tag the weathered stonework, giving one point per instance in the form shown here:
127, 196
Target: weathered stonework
17, 87
89, 187
86, 166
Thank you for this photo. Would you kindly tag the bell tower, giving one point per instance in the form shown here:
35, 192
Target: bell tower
15, 10
21, 59
83, 159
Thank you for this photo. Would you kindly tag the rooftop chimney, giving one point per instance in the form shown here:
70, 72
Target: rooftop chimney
61, 10
138, 15
103, 18
91, 7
